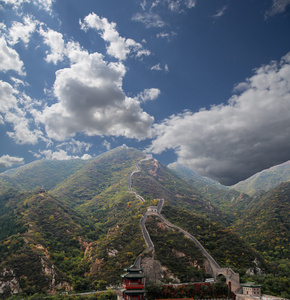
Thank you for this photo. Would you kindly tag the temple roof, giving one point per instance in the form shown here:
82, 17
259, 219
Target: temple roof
250, 284
128, 292
133, 275
133, 268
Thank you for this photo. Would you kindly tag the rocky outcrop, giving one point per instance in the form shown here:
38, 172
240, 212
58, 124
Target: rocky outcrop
8, 283
152, 269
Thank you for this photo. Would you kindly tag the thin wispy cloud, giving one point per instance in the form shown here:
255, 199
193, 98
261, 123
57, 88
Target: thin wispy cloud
220, 12
149, 19
278, 7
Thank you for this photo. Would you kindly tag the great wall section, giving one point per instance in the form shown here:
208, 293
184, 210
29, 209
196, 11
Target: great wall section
232, 278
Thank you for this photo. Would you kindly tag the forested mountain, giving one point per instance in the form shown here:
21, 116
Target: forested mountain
265, 223
265, 180
230, 201
85, 229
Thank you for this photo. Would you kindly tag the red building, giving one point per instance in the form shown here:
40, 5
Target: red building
133, 284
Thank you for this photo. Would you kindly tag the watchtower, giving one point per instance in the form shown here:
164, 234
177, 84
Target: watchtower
133, 284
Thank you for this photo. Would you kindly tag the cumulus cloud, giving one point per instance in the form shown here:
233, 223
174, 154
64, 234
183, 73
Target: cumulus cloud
44, 4
7, 161
60, 155
248, 133
10, 101
7, 97
22, 133
91, 100
278, 6
86, 156
55, 41
57, 155
22, 31
149, 94
9, 58
118, 47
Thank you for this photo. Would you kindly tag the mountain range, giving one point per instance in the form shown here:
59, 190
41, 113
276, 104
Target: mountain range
85, 228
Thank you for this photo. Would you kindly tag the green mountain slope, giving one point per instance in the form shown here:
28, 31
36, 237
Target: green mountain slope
266, 223
157, 181
42, 173
265, 180
40, 231
225, 246
48, 246
106, 172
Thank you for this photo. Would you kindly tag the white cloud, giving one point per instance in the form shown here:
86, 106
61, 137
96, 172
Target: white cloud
22, 133
152, 11
55, 41
166, 35
57, 155
60, 155
41, 4
9, 59
91, 100
44, 4
75, 146
143, 4
248, 133
7, 97
22, 31
149, 19
7, 161
190, 3
220, 12
163, 35
10, 100
15, 3
159, 68
118, 47
174, 5
278, 6
86, 156
107, 145
156, 68
149, 94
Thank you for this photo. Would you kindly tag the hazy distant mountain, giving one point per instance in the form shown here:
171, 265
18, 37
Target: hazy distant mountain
192, 176
41, 173
230, 201
265, 180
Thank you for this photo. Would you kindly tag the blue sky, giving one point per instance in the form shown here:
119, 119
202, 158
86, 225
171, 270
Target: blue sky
202, 82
